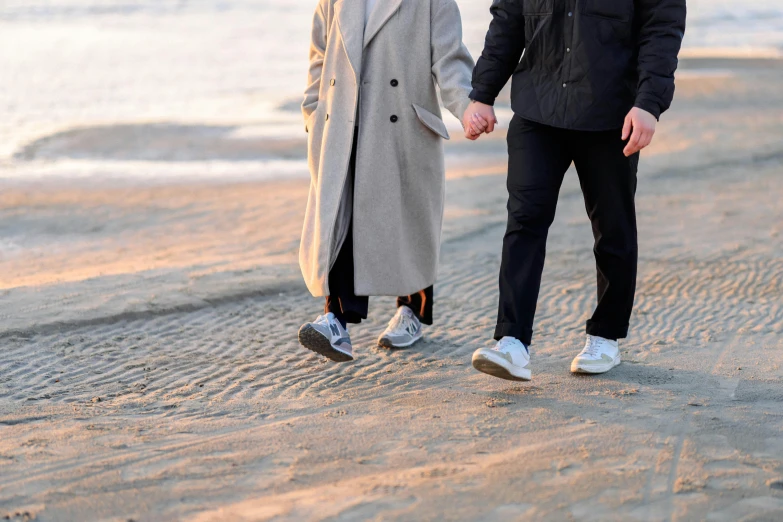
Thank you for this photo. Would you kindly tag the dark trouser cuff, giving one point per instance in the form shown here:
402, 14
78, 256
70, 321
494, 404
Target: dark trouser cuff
607, 331
514, 330
420, 304
351, 310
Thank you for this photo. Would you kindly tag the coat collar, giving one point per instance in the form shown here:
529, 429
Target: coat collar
350, 19
380, 15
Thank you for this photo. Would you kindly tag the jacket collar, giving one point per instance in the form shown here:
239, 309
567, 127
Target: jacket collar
381, 14
350, 19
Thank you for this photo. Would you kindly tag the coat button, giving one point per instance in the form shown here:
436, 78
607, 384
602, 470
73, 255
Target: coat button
327, 117
393, 118
394, 83
331, 82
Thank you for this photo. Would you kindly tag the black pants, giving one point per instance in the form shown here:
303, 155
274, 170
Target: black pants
347, 306
351, 308
539, 156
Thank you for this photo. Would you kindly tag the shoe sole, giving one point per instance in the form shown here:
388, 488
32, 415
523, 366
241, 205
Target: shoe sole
311, 339
594, 370
485, 363
385, 342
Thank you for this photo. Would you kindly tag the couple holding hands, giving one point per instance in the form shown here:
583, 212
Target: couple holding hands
589, 80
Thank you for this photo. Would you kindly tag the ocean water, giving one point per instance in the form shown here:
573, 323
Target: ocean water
76, 75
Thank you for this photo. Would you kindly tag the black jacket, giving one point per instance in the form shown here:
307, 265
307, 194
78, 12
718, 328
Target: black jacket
585, 62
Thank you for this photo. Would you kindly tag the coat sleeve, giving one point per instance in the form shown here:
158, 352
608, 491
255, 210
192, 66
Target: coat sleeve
317, 50
662, 27
451, 61
503, 48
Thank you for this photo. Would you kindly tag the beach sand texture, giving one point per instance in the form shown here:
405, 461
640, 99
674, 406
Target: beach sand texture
150, 368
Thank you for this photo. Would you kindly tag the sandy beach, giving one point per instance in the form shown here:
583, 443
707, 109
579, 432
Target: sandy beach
150, 368
150, 298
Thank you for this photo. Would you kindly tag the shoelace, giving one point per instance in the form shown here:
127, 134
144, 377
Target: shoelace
503, 344
399, 321
591, 347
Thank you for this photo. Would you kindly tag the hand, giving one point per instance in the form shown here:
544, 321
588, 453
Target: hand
478, 119
643, 125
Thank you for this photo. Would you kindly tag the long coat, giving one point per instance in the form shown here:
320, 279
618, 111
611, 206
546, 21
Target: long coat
381, 79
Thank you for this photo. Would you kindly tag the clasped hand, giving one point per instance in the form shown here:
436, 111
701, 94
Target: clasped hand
479, 118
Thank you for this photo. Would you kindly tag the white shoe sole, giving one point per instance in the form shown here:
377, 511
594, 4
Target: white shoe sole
577, 367
385, 342
315, 341
492, 364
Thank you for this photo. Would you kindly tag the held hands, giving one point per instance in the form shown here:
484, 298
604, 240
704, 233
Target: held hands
479, 118
642, 123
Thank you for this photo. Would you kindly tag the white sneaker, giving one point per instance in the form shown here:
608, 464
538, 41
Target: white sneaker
598, 356
507, 360
404, 329
327, 337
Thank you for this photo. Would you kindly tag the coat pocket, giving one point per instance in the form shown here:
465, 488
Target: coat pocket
620, 10
537, 7
310, 120
431, 121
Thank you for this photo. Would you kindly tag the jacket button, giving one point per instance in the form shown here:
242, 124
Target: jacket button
331, 82
327, 117
393, 118
394, 83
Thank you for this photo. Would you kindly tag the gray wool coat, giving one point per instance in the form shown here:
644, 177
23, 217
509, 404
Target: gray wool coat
390, 68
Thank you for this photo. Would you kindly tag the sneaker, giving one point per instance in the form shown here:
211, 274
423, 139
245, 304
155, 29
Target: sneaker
598, 356
404, 329
327, 337
508, 360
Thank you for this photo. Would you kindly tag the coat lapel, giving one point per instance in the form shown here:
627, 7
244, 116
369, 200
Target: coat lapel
350, 18
384, 9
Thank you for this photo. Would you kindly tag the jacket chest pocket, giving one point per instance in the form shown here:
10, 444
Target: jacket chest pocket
537, 7
620, 10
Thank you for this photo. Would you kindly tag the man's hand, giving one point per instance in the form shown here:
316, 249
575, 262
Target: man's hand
642, 123
478, 118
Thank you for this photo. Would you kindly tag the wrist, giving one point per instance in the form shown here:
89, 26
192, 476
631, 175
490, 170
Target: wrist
482, 97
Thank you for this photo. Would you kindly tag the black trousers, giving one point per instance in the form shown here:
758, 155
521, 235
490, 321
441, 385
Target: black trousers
351, 308
539, 156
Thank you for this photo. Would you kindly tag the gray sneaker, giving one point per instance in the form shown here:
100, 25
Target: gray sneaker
326, 336
404, 329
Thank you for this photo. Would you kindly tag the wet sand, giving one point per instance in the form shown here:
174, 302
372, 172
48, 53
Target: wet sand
150, 368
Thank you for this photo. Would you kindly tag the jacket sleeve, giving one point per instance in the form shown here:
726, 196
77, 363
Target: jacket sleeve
451, 61
661, 30
503, 48
317, 50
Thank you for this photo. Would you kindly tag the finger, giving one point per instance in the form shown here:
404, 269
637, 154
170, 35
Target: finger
491, 126
476, 124
633, 144
627, 125
476, 129
478, 117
